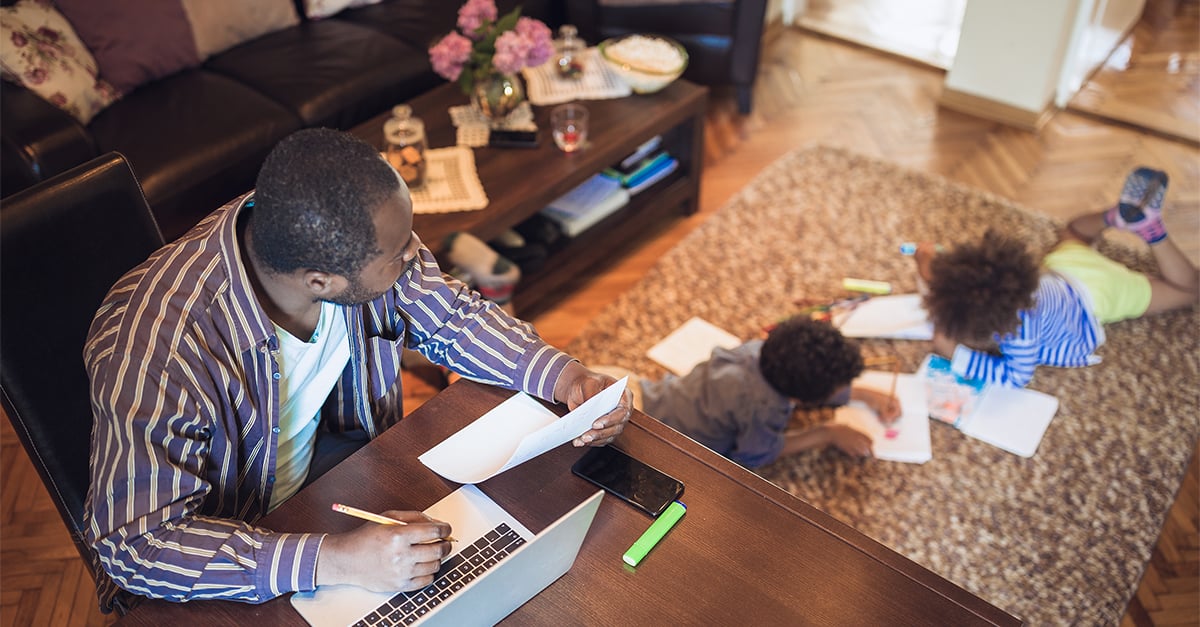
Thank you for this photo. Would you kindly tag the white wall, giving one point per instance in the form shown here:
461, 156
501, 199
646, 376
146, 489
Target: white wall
1013, 51
1034, 55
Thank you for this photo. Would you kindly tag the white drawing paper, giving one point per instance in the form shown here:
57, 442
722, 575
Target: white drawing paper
909, 441
691, 344
1013, 419
899, 316
512, 433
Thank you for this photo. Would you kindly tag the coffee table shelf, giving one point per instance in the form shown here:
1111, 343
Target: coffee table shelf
520, 182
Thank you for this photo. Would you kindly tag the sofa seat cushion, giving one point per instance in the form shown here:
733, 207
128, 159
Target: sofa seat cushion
329, 72
188, 128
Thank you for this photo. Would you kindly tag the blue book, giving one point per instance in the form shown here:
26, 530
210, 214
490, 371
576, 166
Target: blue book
655, 176
625, 176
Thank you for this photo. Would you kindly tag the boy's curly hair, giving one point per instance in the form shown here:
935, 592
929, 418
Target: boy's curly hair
976, 290
808, 360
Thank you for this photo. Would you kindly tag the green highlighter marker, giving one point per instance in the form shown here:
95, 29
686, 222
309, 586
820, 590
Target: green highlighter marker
665, 521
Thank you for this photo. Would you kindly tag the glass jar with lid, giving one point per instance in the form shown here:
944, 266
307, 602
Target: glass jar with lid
405, 138
569, 50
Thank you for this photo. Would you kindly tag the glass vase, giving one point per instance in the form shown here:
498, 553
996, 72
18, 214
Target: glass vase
498, 95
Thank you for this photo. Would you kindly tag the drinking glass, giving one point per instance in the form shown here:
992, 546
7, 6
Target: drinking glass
569, 123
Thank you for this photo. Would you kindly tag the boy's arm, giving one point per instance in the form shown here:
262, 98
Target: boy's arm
847, 439
886, 406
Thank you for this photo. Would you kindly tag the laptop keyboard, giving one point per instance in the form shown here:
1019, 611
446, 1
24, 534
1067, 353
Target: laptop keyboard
456, 572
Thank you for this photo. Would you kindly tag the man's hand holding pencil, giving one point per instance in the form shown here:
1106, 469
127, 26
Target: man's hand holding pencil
395, 551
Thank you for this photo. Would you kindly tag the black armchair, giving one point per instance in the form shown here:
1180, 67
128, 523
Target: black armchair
63, 243
723, 38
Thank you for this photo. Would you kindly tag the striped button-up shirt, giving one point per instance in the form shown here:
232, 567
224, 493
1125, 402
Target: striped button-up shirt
185, 394
1058, 330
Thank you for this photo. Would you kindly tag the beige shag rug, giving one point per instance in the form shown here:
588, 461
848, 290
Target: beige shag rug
1060, 538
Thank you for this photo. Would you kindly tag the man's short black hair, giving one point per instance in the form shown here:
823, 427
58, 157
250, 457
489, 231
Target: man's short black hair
315, 200
808, 360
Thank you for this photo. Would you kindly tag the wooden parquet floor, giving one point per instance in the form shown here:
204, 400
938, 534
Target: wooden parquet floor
811, 89
1153, 78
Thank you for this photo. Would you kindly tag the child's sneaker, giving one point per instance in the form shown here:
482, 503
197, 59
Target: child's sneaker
1140, 209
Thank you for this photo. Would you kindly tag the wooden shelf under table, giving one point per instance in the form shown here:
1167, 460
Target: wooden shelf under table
520, 182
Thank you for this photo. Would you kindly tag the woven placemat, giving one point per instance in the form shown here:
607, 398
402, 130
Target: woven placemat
474, 128
451, 182
544, 86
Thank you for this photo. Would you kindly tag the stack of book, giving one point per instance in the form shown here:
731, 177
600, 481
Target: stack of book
608, 191
581, 208
645, 167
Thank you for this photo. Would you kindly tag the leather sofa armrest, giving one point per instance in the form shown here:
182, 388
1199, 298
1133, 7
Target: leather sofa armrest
37, 139
748, 23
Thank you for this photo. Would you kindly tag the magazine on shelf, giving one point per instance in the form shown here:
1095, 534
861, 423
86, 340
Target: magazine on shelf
592, 201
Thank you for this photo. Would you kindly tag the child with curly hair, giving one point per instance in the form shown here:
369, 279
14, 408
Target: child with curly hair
998, 313
740, 402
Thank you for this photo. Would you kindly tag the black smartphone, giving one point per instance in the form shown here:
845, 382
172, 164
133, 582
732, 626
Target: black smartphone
630, 480
513, 139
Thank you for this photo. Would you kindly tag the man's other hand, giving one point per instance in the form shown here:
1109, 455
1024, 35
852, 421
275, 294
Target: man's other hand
575, 385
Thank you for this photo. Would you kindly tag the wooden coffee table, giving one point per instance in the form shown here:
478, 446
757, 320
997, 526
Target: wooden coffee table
520, 182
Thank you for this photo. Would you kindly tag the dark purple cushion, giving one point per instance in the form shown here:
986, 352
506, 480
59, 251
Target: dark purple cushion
133, 41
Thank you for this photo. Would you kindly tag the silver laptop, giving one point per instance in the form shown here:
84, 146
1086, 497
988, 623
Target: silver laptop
497, 565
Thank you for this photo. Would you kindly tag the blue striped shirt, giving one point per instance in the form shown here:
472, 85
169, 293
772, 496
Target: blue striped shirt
1058, 330
185, 393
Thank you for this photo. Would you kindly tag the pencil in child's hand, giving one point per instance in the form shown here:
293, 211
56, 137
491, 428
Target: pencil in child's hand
373, 517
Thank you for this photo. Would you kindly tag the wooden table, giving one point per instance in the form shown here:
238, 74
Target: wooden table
520, 182
746, 553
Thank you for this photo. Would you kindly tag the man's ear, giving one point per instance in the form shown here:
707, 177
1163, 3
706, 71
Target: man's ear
324, 285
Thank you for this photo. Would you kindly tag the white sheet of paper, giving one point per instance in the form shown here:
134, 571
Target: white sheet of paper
1012, 419
514, 432
899, 316
911, 442
690, 344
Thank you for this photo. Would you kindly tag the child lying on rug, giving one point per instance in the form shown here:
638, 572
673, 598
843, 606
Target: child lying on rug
998, 314
740, 402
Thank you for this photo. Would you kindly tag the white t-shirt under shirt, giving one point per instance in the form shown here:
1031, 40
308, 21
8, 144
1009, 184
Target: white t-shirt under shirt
310, 369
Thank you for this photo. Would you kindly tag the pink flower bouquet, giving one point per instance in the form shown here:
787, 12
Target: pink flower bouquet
487, 45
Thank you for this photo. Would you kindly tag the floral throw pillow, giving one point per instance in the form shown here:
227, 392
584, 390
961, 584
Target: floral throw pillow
40, 50
317, 9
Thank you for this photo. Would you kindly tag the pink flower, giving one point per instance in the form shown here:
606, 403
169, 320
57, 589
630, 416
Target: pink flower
35, 76
48, 34
474, 14
19, 39
449, 55
539, 38
511, 50
58, 99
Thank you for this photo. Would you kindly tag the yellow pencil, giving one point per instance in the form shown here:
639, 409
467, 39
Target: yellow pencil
882, 361
375, 518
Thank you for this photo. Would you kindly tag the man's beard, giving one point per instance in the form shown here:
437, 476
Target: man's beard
357, 294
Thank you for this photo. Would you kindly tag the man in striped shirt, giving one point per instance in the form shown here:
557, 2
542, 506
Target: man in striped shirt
998, 314
242, 360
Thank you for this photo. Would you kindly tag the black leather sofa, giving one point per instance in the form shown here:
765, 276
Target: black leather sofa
196, 139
